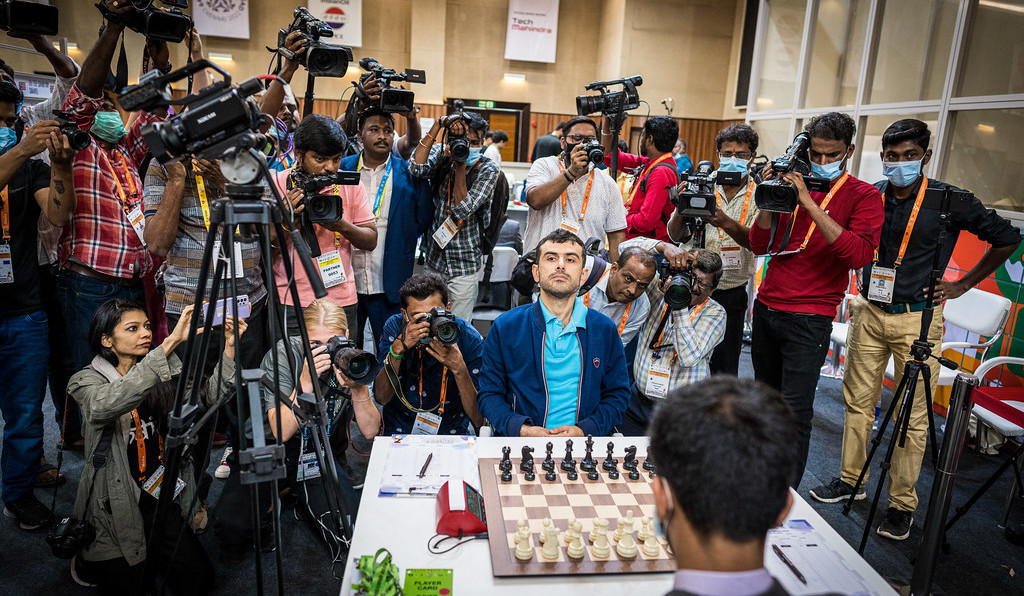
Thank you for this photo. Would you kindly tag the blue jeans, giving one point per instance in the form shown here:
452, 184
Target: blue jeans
377, 309
80, 297
24, 353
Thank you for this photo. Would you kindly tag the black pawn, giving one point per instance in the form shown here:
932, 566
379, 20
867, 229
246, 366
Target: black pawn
506, 476
550, 475
634, 474
648, 461
568, 463
572, 474
610, 463
530, 476
506, 461
652, 474
613, 473
592, 473
549, 462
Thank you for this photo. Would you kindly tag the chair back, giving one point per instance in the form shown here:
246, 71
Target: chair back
505, 259
979, 312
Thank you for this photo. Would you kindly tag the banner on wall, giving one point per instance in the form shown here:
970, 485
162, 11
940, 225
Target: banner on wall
532, 30
222, 18
344, 16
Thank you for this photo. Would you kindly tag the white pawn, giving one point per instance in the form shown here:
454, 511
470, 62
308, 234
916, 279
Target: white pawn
651, 547
600, 528
524, 548
551, 546
575, 550
620, 528
645, 530
569, 531
626, 546
600, 550
522, 532
544, 530
577, 529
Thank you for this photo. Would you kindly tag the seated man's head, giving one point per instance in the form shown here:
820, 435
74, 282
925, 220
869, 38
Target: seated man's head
320, 143
905, 151
659, 135
560, 264
578, 130
324, 319
629, 277
711, 442
832, 145
377, 133
10, 100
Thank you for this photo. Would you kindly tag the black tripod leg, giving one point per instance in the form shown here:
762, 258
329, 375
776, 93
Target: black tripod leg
962, 510
926, 375
902, 418
875, 442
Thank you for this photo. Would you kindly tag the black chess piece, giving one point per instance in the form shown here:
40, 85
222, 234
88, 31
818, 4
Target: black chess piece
573, 474
506, 476
592, 473
610, 463
549, 462
630, 462
550, 475
588, 458
649, 461
526, 464
613, 473
568, 463
634, 474
530, 476
506, 460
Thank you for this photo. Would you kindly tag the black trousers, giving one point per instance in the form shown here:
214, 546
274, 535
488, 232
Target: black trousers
787, 351
726, 357
61, 365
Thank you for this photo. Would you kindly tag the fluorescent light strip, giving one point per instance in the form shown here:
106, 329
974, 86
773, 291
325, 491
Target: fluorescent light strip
221, 57
517, 77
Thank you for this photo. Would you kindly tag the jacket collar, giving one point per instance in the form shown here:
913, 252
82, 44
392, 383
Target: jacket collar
105, 368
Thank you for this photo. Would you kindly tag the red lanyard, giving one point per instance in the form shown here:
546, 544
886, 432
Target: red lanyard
125, 203
140, 443
743, 214
5, 214
444, 388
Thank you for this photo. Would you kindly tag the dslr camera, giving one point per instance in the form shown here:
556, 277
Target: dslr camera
322, 208
358, 365
171, 24
69, 536
780, 196
680, 286
458, 144
610, 102
320, 59
595, 152
695, 195
393, 101
78, 138
18, 16
442, 326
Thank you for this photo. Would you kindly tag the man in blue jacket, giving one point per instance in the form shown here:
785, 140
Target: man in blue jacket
554, 367
402, 208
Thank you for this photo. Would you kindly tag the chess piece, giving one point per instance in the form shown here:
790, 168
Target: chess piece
506, 476
651, 547
601, 549
649, 461
629, 462
613, 474
550, 474
506, 461
634, 474
574, 531
600, 527
526, 464
592, 473
626, 547
544, 529
572, 475
628, 523
610, 463
551, 546
522, 531
588, 458
568, 463
524, 548
620, 529
549, 462
530, 476
575, 550
645, 531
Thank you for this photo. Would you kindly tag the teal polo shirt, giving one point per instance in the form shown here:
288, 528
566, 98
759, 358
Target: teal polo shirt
563, 364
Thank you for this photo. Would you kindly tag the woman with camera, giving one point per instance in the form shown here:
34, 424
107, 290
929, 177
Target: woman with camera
125, 394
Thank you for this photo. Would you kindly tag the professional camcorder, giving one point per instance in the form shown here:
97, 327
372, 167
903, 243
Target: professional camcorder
595, 152
171, 24
322, 208
18, 16
695, 195
320, 59
78, 138
780, 196
610, 102
395, 101
442, 325
358, 365
680, 286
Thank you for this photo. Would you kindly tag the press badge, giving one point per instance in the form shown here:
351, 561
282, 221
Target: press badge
331, 269
657, 377
218, 253
6, 264
152, 485
426, 424
309, 467
730, 254
446, 232
881, 284
138, 222
573, 225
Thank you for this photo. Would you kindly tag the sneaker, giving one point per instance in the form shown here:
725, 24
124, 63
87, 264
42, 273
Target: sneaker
896, 525
223, 470
81, 573
836, 491
28, 512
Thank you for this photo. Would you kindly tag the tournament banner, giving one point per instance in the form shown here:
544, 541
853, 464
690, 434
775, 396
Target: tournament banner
532, 30
344, 16
222, 18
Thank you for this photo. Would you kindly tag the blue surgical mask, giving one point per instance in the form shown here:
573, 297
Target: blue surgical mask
108, 127
8, 138
732, 164
829, 170
901, 173
474, 155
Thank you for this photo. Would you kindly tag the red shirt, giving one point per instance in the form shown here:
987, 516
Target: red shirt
814, 280
650, 209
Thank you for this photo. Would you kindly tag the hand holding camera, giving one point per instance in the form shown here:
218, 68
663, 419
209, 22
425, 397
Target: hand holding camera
294, 46
579, 159
322, 363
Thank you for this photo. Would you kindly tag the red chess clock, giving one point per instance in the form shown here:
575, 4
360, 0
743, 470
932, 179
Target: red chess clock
460, 510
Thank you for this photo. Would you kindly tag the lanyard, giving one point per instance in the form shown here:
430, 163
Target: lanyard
5, 214
743, 214
656, 345
125, 203
625, 315
828, 199
140, 442
444, 389
378, 200
649, 168
203, 201
586, 196
910, 223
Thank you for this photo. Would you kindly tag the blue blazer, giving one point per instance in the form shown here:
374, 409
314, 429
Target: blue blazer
513, 387
409, 216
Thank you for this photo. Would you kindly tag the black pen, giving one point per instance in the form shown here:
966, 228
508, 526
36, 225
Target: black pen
789, 564
430, 456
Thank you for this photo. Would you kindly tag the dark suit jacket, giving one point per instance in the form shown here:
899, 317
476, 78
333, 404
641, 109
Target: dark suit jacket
775, 590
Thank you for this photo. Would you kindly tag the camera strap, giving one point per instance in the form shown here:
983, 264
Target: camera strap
792, 221
5, 214
121, 78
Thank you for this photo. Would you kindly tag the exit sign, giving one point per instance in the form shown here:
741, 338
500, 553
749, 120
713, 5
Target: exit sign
484, 103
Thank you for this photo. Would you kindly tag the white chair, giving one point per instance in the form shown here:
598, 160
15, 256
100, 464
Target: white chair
505, 259
840, 329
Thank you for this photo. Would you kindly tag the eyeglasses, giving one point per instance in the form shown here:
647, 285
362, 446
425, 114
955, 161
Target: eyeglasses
375, 130
700, 284
729, 154
581, 138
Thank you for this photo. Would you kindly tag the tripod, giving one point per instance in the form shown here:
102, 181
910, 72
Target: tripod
262, 463
903, 396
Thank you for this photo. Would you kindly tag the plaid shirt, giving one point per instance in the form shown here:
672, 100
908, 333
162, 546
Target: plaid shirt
462, 254
99, 234
693, 341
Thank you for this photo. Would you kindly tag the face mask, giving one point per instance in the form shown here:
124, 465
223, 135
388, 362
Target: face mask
901, 173
108, 127
829, 170
474, 155
732, 164
8, 138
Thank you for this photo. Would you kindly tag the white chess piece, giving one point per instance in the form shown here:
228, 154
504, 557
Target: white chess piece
570, 531
522, 532
651, 547
600, 527
544, 530
620, 528
626, 546
601, 550
575, 550
628, 523
551, 546
524, 548
645, 530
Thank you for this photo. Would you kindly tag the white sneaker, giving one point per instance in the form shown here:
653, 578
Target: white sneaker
223, 470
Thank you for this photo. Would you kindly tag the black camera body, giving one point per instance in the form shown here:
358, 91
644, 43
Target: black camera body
610, 102
695, 195
679, 292
323, 208
392, 101
69, 536
458, 144
595, 152
779, 196
443, 325
78, 138
320, 59
358, 365
171, 25
18, 16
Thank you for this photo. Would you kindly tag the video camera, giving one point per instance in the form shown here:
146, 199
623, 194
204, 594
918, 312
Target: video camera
695, 195
780, 196
679, 292
171, 24
78, 138
358, 365
18, 16
610, 102
394, 101
442, 326
322, 208
320, 59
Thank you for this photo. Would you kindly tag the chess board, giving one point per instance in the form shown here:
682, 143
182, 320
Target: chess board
505, 503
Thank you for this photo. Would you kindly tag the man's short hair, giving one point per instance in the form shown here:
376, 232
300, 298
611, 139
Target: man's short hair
716, 439
371, 112
498, 136
709, 262
321, 135
561, 236
477, 122
580, 120
737, 133
6, 68
422, 286
645, 258
561, 125
9, 93
489, 135
832, 126
907, 129
664, 131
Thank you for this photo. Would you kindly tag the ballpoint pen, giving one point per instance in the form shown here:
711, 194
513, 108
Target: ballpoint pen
789, 564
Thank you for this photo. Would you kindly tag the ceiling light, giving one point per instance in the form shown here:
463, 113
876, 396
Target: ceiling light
517, 77
221, 57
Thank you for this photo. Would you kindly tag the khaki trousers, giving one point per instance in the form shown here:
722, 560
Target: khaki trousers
874, 336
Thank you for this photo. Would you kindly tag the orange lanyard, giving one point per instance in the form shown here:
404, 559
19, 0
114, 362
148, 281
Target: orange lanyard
650, 167
140, 442
694, 311
444, 388
586, 196
625, 315
458, 222
828, 199
910, 223
743, 214
125, 203
5, 214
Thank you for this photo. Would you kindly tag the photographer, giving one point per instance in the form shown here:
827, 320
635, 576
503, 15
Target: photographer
462, 192
648, 203
886, 323
621, 295
566, 192
402, 208
678, 339
65, 71
319, 145
29, 189
809, 275
727, 234
126, 394
445, 376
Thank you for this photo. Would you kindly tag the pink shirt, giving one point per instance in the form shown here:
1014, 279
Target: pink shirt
357, 212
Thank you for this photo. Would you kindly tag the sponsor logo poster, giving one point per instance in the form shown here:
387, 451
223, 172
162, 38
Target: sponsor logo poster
344, 16
532, 30
222, 18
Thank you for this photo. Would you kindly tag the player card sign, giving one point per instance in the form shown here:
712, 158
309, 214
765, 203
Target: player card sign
344, 16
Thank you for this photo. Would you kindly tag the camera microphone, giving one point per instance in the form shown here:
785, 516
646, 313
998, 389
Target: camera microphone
369, 63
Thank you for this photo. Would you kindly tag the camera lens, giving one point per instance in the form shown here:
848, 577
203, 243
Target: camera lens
459, 148
678, 293
445, 330
588, 104
357, 365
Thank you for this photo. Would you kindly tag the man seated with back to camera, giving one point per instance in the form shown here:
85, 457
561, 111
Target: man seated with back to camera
621, 293
679, 336
554, 367
426, 385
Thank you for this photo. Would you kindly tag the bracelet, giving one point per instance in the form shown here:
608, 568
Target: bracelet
421, 144
394, 355
568, 177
